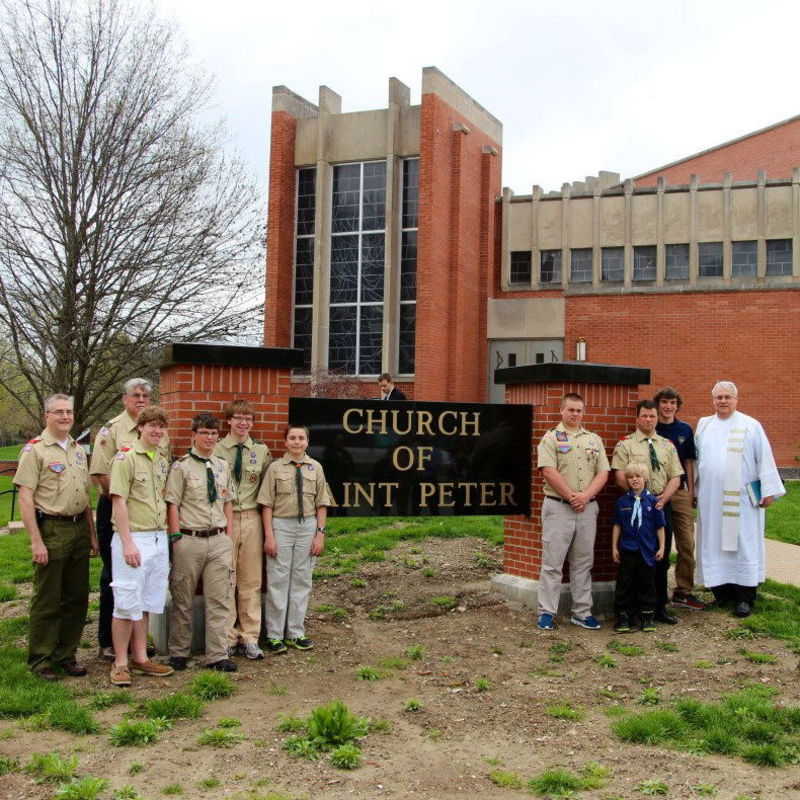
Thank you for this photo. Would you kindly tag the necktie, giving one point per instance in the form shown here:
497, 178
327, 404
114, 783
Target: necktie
654, 462
298, 483
211, 484
636, 516
237, 465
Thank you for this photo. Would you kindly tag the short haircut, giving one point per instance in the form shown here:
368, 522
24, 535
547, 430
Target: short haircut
668, 393
649, 404
238, 407
152, 414
385, 376
135, 383
58, 396
290, 427
637, 468
205, 420
726, 386
571, 396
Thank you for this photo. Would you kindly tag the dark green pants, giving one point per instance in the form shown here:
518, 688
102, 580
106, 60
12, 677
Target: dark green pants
60, 593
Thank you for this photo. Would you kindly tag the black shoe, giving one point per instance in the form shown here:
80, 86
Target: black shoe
224, 665
47, 673
742, 609
623, 623
275, 646
663, 616
178, 662
73, 668
648, 624
151, 651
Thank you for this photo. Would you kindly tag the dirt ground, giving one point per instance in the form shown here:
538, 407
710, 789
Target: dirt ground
448, 748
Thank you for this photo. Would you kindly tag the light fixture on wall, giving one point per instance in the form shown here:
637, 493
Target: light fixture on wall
580, 349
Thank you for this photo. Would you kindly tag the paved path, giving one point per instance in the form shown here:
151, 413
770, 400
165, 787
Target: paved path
783, 562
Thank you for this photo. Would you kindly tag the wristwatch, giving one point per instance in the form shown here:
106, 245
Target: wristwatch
321, 530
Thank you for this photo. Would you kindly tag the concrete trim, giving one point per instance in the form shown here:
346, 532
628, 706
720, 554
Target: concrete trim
284, 99
524, 592
436, 82
573, 372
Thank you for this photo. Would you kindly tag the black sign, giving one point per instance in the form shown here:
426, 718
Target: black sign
407, 458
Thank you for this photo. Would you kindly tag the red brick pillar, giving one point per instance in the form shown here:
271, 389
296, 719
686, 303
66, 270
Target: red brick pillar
205, 377
610, 394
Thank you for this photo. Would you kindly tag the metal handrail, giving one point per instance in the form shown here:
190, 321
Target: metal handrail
12, 491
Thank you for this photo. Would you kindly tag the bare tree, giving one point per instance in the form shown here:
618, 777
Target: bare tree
123, 225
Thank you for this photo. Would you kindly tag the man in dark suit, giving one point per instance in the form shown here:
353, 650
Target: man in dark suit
388, 389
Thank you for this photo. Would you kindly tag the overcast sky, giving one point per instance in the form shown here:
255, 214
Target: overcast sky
579, 85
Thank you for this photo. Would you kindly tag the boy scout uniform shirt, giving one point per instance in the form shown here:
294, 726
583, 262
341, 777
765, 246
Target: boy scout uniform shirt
255, 460
113, 436
141, 480
279, 490
577, 456
187, 488
59, 479
634, 449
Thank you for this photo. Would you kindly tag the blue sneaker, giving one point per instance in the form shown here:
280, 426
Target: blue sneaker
546, 622
590, 623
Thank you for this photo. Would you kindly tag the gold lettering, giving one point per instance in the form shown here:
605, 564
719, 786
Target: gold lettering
467, 487
444, 414
369, 496
371, 414
476, 423
346, 503
396, 428
423, 455
426, 490
389, 489
345, 420
396, 458
424, 419
446, 495
506, 494
487, 494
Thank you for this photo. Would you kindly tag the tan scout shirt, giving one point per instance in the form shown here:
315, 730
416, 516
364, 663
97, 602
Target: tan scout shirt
279, 491
59, 479
141, 480
255, 460
113, 436
187, 488
578, 457
634, 449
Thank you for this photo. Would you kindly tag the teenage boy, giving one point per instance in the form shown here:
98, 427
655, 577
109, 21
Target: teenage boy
139, 548
200, 517
248, 461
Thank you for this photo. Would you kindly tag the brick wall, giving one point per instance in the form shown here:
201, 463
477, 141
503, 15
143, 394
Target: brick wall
456, 256
777, 151
187, 389
609, 411
692, 340
280, 232
365, 390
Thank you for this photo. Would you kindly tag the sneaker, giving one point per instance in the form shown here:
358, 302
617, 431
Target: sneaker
178, 662
105, 653
275, 646
252, 651
590, 623
648, 623
623, 624
234, 650
663, 616
152, 668
546, 622
120, 676
224, 665
686, 600
299, 643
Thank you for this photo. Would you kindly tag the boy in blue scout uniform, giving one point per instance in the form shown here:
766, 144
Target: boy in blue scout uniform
637, 543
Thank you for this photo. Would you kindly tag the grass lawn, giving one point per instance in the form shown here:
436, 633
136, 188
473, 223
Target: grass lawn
783, 516
10, 452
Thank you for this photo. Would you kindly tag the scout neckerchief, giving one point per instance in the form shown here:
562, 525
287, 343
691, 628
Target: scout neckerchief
636, 516
298, 483
655, 464
211, 484
237, 464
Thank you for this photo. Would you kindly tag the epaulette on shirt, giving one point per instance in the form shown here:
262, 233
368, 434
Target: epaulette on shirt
30, 443
121, 453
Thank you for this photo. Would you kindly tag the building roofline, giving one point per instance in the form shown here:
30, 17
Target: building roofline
718, 147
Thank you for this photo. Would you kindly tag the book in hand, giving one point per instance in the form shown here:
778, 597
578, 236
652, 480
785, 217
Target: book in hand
754, 493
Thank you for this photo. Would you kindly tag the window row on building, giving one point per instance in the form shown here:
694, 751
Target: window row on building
612, 262
357, 248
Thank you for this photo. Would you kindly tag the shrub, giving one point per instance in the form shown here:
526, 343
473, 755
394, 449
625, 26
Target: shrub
346, 756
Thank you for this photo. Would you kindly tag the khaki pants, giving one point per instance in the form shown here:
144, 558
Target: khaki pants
683, 531
567, 534
60, 593
248, 561
194, 558
289, 578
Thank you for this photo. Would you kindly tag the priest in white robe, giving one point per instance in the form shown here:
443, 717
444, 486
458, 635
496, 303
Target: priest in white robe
733, 452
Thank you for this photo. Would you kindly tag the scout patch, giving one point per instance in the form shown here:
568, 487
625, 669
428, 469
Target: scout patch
561, 436
252, 477
564, 448
103, 431
225, 494
253, 457
57, 467
28, 447
681, 439
120, 456
310, 467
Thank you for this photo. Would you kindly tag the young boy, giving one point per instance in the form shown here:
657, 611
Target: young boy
294, 499
637, 543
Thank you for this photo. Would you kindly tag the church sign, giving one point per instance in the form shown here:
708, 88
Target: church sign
412, 458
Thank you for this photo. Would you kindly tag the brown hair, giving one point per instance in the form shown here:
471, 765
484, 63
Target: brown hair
239, 407
152, 414
668, 393
205, 420
290, 427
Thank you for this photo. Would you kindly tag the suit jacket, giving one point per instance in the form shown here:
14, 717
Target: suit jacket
396, 394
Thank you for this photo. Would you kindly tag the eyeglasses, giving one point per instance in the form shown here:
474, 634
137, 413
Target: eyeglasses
240, 418
62, 413
212, 434
140, 395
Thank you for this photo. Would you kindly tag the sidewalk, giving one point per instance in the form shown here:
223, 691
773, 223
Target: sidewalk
783, 562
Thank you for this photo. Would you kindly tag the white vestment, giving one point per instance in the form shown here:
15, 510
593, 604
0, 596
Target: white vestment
744, 563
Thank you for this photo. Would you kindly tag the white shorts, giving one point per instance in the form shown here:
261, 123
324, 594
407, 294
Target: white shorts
144, 588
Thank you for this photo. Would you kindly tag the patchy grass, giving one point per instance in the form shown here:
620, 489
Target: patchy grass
346, 756
87, 788
781, 519
565, 711
219, 737
553, 783
173, 706
332, 727
99, 701
505, 779
210, 685
51, 767
135, 733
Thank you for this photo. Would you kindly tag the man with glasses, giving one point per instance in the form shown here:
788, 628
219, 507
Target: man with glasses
53, 482
121, 431
200, 520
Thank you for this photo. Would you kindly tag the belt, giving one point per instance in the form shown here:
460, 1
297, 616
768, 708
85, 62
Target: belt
562, 500
205, 534
61, 517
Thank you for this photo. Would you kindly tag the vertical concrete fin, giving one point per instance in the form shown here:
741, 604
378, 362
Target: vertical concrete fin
329, 100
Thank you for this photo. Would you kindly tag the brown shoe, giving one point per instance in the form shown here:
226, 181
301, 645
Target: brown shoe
47, 673
73, 668
105, 653
120, 676
152, 668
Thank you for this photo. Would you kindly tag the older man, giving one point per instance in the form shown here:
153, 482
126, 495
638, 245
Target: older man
736, 480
